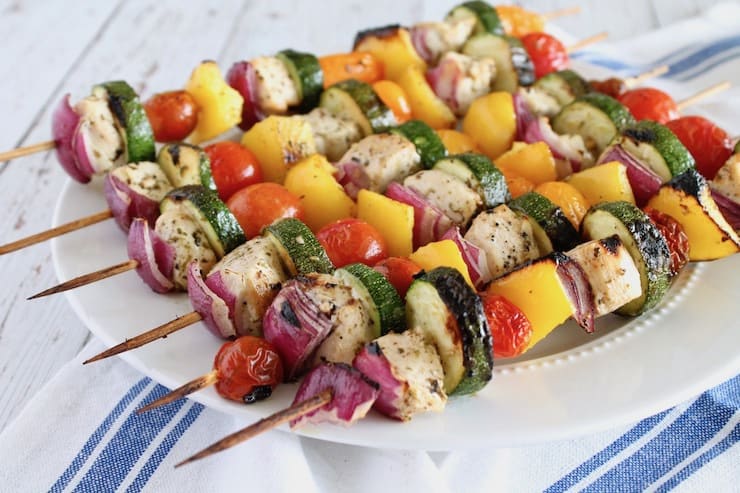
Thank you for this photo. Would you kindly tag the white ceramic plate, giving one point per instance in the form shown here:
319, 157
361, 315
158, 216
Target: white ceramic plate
572, 383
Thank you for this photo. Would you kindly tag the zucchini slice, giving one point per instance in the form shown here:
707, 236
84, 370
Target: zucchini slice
657, 147
478, 173
381, 299
215, 219
133, 123
186, 164
307, 76
643, 240
428, 144
549, 219
486, 17
563, 85
356, 101
514, 68
449, 313
300, 250
597, 118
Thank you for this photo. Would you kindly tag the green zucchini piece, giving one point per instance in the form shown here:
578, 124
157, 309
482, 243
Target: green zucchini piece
450, 315
428, 144
131, 118
186, 164
486, 17
648, 247
385, 306
514, 68
478, 173
657, 147
356, 101
564, 85
597, 118
215, 219
300, 250
307, 76
550, 218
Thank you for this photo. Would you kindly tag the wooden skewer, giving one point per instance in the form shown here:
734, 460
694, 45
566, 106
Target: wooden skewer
722, 86
25, 151
86, 279
194, 385
265, 424
635, 81
151, 335
54, 232
548, 16
587, 41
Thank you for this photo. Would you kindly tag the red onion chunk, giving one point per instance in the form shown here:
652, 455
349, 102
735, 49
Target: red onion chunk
474, 257
579, 291
64, 123
643, 180
127, 204
729, 208
539, 130
155, 257
443, 79
243, 78
295, 326
208, 304
419, 41
81, 149
353, 178
524, 116
430, 223
218, 286
353, 394
371, 361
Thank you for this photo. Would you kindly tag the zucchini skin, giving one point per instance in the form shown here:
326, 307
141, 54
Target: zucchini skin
388, 303
171, 156
379, 117
427, 142
487, 19
676, 156
310, 78
128, 111
523, 65
492, 181
301, 251
550, 217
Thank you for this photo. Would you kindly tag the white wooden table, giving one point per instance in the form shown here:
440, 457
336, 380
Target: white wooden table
51, 48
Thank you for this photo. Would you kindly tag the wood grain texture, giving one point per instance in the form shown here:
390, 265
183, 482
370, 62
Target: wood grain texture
63, 47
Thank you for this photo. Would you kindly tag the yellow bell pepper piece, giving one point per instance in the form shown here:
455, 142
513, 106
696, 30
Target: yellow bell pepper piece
441, 254
394, 220
534, 162
395, 50
279, 142
537, 291
572, 202
457, 142
220, 106
425, 105
491, 122
606, 182
324, 200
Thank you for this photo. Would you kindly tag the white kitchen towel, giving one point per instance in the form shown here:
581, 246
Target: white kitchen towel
80, 433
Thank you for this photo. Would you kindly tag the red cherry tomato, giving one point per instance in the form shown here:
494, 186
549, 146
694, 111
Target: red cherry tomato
613, 86
399, 271
648, 103
173, 115
709, 144
547, 53
259, 205
510, 327
678, 241
233, 167
351, 240
248, 369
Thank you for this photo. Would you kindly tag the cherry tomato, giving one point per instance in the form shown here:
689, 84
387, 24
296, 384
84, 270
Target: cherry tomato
648, 103
547, 53
678, 241
399, 271
510, 327
173, 115
248, 369
351, 240
393, 96
613, 87
709, 144
233, 167
259, 205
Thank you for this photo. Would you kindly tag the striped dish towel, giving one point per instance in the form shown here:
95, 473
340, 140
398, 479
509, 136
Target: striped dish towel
80, 433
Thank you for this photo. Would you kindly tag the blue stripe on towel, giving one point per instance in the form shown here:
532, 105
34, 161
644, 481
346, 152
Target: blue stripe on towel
598, 460
687, 434
164, 448
128, 444
702, 55
702, 69
98, 435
